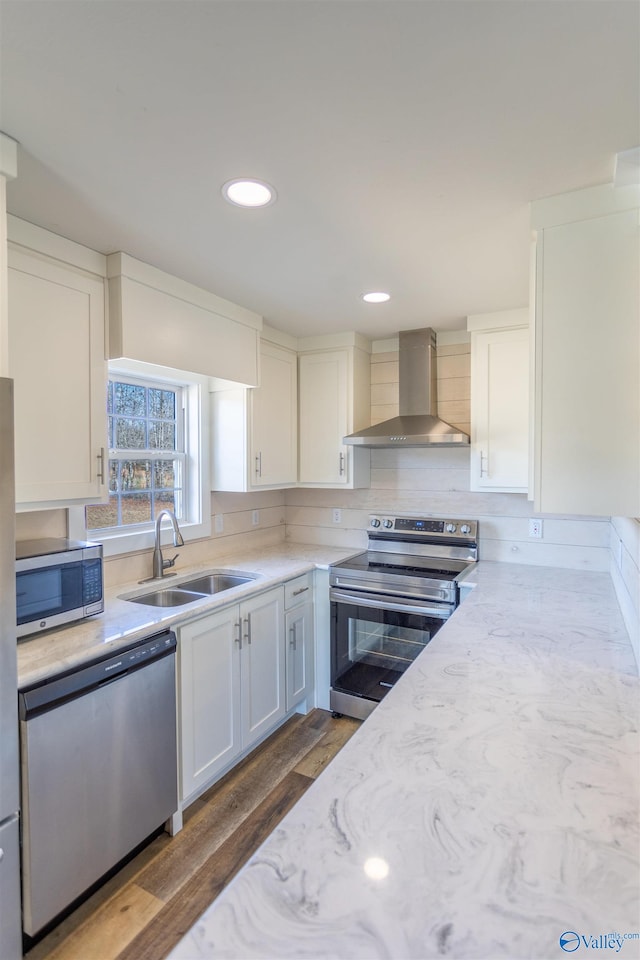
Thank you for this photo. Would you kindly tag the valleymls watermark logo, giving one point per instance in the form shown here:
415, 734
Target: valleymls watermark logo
570, 941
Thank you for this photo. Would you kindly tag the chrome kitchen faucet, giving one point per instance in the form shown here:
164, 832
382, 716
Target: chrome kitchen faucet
159, 563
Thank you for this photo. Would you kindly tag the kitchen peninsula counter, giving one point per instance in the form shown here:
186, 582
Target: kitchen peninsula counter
488, 805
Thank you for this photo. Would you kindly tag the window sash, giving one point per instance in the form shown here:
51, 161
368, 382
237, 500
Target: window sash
123, 500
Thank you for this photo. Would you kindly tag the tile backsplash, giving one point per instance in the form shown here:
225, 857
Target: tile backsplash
436, 483
39, 524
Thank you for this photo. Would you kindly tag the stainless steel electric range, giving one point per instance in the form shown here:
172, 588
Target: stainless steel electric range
388, 602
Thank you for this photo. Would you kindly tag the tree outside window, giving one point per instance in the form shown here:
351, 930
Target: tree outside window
146, 455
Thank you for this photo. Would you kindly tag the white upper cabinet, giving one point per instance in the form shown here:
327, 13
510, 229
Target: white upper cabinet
274, 419
254, 432
334, 400
500, 401
587, 353
56, 353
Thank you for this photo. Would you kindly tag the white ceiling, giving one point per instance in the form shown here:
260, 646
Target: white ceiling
405, 140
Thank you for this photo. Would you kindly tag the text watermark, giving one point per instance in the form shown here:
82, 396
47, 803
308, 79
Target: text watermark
570, 941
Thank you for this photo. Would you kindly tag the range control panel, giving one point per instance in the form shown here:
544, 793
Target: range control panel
421, 526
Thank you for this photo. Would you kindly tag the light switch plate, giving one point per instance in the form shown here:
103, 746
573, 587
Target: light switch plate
255, 518
218, 523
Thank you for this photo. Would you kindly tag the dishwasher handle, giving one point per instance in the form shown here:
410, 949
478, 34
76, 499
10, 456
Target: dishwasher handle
50, 693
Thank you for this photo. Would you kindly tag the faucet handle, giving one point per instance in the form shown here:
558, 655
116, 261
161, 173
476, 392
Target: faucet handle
170, 563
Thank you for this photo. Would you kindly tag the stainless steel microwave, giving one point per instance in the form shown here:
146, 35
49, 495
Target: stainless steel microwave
58, 581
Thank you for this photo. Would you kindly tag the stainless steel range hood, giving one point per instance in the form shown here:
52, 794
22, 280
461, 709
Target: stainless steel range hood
418, 424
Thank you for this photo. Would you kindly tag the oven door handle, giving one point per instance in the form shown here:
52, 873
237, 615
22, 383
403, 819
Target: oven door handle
441, 612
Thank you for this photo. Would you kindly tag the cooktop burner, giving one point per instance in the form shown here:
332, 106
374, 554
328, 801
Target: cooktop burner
429, 567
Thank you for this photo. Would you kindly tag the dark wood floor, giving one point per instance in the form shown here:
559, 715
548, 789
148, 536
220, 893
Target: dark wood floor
142, 912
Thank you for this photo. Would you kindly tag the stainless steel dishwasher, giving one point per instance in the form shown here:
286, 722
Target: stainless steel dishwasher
99, 771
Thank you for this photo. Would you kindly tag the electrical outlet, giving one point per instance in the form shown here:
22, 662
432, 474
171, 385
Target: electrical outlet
255, 518
218, 523
337, 516
535, 528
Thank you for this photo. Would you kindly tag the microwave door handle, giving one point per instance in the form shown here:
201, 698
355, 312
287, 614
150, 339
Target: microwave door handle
441, 613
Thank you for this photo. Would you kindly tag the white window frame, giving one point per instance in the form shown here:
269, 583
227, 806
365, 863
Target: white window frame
197, 524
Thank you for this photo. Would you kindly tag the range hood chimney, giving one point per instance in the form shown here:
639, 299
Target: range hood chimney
418, 424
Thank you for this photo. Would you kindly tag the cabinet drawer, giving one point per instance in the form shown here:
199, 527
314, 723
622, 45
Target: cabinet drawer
298, 591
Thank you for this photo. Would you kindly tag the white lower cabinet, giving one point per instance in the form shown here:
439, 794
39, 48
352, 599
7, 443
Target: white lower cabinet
232, 685
299, 640
209, 697
262, 665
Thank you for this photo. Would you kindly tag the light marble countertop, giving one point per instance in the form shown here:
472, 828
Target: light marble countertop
498, 782
124, 622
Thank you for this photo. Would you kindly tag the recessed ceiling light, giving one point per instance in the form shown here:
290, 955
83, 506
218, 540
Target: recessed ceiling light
376, 297
248, 193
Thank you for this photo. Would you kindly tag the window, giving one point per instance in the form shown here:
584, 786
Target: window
147, 457
158, 437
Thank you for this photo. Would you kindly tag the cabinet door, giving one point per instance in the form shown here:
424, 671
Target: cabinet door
210, 697
587, 367
323, 417
500, 410
274, 453
263, 669
57, 359
299, 655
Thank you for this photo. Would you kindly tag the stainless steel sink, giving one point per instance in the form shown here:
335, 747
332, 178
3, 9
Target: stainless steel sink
173, 597
215, 582
191, 590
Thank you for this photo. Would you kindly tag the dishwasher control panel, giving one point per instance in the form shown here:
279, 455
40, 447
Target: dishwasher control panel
46, 694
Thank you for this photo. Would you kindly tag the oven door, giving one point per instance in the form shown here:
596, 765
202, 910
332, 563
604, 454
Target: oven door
374, 639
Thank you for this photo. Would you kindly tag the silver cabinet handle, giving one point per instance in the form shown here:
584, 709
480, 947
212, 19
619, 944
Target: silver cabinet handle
259, 464
100, 472
301, 590
238, 639
484, 471
342, 464
247, 631
292, 637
